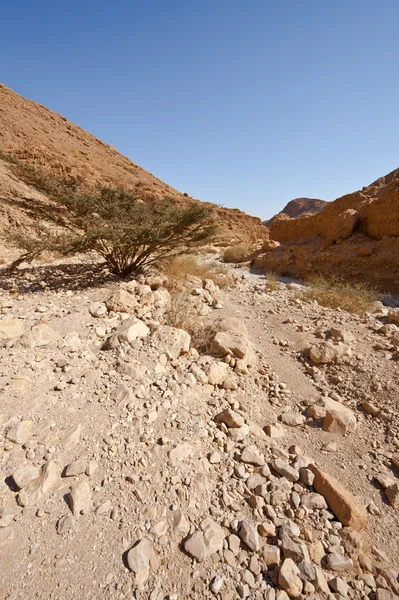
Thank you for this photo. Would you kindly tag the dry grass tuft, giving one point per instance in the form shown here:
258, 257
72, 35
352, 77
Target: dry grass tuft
183, 315
237, 254
180, 268
272, 282
354, 297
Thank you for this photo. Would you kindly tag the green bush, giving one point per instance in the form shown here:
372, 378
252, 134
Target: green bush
126, 232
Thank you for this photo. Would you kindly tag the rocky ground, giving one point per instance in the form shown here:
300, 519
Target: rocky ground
134, 466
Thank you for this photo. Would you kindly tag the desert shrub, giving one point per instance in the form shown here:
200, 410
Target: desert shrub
6, 157
334, 292
237, 254
126, 232
272, 282
180, 268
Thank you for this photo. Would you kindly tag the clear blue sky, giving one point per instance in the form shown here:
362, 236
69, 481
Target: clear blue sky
244, 103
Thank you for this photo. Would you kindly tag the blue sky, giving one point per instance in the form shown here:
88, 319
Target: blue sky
246, 104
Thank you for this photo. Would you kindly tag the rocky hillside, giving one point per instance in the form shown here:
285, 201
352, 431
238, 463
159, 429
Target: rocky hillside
356, 236
40, 137
298, 207
133, 465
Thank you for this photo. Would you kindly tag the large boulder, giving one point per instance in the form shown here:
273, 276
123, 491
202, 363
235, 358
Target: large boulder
171, 341
343, 225
339, 418
225, 343
230, 324
327, 352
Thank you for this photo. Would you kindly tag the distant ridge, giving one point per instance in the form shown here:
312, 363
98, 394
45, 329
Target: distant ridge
299, 206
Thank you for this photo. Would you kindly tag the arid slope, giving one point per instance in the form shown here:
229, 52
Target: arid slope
40, 137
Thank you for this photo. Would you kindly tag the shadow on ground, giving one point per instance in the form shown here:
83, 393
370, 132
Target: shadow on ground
72, 276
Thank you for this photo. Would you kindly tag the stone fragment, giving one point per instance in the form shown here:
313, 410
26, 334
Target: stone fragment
306, 476
320, 582
271, 555
217, 373
252, 456
392, 493
181, 526
65, 524
292, 419
340, 500
216, 584
327, 352
233, 344
338, 563
249, 535
307, 570
25, 475
239, 434
39, 335
171, 341
122, 301
267, 529
195, 546
214, 458
77, 467
339, 419
338, 585
47, 481
230, 418
285, 470
138, 560
97, 309
80, 497
293, 549
21, 432
275, 430
133, 330
72, 438
213, 536
393, 315
313, 501
288, 578
371, 409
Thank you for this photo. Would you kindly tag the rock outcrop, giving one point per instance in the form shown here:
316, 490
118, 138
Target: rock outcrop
355, 236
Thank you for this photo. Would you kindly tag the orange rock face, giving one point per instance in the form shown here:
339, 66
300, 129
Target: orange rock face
356, 236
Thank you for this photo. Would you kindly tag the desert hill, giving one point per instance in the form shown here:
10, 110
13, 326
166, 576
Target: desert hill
34, 134
299, 206
354, 236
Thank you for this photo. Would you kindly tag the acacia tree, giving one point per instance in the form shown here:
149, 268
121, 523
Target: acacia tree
128, 233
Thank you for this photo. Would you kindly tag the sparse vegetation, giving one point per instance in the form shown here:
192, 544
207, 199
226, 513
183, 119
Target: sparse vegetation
180, 268
183, 315
354, 297
272, 281
126, 232
237, 254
